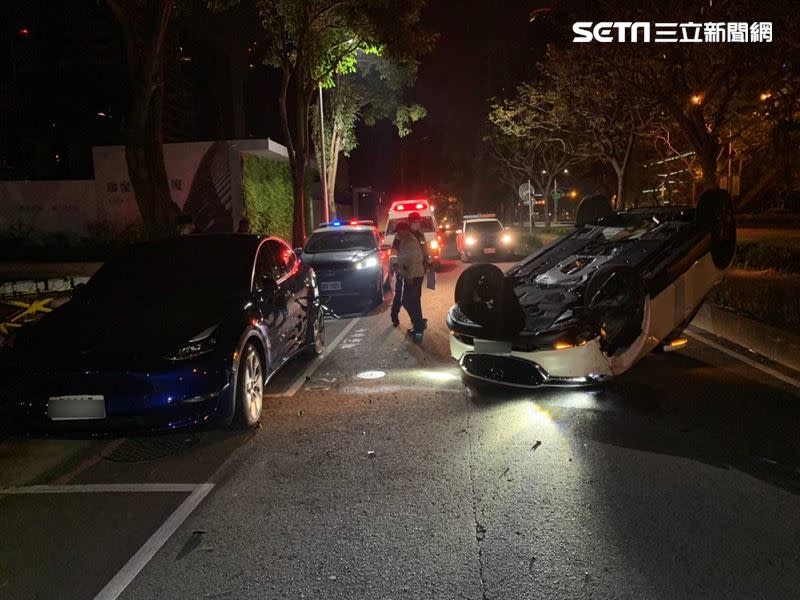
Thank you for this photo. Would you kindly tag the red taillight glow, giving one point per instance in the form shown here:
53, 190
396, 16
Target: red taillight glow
411, 205
353, 222
24, 32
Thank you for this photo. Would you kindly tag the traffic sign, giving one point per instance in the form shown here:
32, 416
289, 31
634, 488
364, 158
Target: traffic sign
526, 192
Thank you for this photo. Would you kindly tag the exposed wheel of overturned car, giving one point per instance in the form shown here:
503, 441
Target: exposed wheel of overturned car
615, 299
486, 296
715, 215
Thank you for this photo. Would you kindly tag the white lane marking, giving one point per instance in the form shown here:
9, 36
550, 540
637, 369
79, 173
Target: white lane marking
748, 361
138, 561
102, 488
314, 365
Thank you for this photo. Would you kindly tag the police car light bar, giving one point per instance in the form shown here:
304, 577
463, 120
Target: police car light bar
352, 222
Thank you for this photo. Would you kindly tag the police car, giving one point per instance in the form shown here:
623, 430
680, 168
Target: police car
348, 260
400, 210
482, 236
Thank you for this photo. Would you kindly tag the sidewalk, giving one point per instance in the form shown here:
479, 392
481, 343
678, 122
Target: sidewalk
18, 279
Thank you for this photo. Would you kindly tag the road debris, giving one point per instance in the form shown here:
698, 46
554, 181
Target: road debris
371, 453
504, 472
300, 413
536, 445
480, 532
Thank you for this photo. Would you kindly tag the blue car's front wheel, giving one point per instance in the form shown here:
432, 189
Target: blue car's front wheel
249, 388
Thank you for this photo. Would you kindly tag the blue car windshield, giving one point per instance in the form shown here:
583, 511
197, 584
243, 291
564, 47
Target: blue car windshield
200, 266
336, 241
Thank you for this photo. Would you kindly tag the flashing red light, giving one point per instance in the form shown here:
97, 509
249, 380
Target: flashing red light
353, 222
24, 32
412, 205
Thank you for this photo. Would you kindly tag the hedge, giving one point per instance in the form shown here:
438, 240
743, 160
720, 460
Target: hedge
268, 197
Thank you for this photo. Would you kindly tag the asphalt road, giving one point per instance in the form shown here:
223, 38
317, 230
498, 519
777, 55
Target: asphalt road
376, 474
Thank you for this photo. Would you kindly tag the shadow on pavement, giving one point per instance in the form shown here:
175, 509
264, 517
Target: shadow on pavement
678, 405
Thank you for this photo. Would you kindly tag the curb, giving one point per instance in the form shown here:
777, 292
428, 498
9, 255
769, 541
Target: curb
13, 289
770, 342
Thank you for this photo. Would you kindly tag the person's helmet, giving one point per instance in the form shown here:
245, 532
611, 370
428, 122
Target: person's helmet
414, 217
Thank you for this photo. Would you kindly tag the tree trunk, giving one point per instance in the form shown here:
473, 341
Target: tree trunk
144, 27
708, 161
766, 178
144, 154
333, 166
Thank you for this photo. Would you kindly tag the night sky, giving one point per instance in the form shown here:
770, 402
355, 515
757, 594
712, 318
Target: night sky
484, 49
71, 67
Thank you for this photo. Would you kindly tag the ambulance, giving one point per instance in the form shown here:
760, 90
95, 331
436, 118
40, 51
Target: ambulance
399, 211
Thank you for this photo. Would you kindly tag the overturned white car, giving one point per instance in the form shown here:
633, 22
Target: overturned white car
590, 305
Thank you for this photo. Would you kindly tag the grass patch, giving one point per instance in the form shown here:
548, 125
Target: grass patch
764, 255
768, 296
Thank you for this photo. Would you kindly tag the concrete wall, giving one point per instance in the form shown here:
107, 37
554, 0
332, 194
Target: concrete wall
48, 206
204, 180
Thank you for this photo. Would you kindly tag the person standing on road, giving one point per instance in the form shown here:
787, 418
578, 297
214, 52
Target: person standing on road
414, 221
411, 268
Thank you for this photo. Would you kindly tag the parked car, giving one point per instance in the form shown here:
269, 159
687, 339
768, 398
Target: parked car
348, 261
168, 334
589, 306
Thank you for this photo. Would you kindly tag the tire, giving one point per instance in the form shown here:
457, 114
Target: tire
486, 297
249, 388
614, 298
592, 208
315, 333
715, 215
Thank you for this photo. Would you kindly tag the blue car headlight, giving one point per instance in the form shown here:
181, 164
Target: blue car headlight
368, 263
203, 343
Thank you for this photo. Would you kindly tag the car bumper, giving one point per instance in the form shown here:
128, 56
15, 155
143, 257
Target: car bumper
578, 366
350, 283
480, 252
166, 398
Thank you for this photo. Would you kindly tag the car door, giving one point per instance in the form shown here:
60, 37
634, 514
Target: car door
274, 311
294, 289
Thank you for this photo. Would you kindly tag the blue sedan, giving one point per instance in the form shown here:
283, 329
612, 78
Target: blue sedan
170, 333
